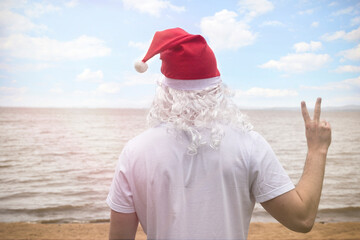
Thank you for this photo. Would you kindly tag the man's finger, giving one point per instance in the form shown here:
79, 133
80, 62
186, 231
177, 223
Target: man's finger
317, 110
305, 112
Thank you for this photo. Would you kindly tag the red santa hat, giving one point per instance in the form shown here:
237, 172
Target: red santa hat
188, 63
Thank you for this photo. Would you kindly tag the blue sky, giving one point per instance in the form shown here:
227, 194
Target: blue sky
271, 53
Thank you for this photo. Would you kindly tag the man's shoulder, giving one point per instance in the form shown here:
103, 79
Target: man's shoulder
165, 137
151, 137
163, 132
157, 131
243, 135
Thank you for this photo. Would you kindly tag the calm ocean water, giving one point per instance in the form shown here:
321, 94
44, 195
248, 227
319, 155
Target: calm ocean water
56, 165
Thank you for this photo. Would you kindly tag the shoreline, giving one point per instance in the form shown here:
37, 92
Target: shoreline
257, 231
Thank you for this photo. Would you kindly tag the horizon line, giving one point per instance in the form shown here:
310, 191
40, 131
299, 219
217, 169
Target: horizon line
343, 107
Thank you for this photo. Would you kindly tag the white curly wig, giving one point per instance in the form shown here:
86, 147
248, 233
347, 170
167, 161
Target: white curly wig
195, 110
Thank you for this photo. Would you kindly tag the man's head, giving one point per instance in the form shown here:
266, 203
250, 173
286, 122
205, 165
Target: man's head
191, 97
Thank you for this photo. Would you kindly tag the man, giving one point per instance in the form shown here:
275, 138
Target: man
197, 172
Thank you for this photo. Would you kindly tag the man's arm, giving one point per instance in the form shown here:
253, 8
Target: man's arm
297, 209
123, 225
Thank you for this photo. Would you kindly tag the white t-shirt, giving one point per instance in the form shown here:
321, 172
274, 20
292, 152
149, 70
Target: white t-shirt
210, 195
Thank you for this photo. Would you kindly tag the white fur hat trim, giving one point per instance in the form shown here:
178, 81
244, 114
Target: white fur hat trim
198, 84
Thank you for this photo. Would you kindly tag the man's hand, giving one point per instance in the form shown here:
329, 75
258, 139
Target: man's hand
318, 133
297, 209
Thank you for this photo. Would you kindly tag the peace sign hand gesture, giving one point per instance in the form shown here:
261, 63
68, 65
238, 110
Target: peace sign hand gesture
318, 133
297, 209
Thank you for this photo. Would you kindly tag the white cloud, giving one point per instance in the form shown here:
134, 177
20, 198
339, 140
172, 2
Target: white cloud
144, 102
142, 79
354, 35
355, 21
307, 12
152, 7
314, 24
8, 4
266, 92
12, 90
72, 3
38, 9
90, 76
307, 47
83, 93
352, 82
139, 45
254, 8
91, 93
25, 67
11, 100
11, 22
347, 68
345, 84
334, 36
348, 10
114, 87
44, 48
298, 63
225, 32
351, 54
344, 100
332, 4
109, 87
56, 90
272, 24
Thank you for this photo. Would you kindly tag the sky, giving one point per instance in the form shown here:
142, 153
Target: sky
271, 53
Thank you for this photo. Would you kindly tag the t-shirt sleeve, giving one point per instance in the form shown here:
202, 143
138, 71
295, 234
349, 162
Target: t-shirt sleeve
268, 177
120, 198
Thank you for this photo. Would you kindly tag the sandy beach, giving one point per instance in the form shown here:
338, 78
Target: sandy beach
258, 231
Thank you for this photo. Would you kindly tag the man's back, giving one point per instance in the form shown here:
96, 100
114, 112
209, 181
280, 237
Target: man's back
180, 188
209, 195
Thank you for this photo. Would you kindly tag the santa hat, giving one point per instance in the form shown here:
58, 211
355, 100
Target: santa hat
188, 63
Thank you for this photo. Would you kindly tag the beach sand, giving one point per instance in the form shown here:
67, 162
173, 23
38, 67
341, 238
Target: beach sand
98, 231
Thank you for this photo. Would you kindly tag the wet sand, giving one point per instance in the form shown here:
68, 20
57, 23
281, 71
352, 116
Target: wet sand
98, 231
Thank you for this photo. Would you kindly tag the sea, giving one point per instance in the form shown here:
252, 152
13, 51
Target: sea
56, 165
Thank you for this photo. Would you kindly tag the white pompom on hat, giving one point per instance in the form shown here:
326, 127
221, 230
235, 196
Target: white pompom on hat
141, 66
